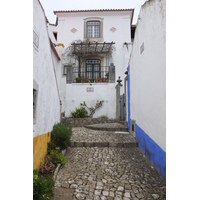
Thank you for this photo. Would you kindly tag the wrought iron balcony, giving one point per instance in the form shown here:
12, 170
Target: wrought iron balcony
91, 74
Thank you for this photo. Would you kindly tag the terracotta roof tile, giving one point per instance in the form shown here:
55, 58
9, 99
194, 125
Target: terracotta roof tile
98, 10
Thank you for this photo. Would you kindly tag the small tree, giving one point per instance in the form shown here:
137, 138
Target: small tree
92, 109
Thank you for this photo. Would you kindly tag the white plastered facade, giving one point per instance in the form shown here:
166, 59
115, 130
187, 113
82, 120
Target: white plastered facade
148, 72
116, 27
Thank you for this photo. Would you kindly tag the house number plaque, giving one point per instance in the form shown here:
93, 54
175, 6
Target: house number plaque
90, 89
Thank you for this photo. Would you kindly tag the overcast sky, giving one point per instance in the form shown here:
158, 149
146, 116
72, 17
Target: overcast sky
52, 5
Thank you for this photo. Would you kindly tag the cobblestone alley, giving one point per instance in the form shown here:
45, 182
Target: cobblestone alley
106, 164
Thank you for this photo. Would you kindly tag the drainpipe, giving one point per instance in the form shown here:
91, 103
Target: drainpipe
60, 110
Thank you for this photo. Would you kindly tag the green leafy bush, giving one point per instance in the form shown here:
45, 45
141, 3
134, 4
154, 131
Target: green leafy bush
60, 136
50, 147
42, 186
79, 113
56, 157
103, 117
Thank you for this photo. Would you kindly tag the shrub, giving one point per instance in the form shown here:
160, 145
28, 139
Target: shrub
56, 157
60, 136
50, 147
42, 186
103, 117
79, 113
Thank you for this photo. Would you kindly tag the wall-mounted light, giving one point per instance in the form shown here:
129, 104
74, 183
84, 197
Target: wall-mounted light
125, 43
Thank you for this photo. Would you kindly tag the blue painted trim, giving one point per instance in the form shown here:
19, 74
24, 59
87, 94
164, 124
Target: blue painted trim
151, 150
129, 98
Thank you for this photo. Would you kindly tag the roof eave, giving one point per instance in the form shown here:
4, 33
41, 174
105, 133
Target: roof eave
100, 10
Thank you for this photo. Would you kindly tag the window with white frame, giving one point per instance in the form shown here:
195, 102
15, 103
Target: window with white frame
93, 29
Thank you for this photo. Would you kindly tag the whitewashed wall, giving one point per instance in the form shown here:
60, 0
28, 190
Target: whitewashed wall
77, 93
48, 104
148, 72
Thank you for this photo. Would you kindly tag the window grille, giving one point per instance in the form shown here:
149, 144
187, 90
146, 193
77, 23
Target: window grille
65, 70
93, 69
93, 29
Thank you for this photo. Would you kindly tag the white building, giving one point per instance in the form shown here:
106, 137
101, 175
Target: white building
94, 43
46, 84
147, 83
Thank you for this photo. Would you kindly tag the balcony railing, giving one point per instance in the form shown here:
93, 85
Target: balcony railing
91, 74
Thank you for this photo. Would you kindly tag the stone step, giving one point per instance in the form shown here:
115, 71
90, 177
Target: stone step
104, 144
107, 127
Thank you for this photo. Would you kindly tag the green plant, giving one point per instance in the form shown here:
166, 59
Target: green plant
92, 109
78, 79
50, 146
42, 186
91, 80
56, 157
79, 113
98, 79
60, 136
103, 117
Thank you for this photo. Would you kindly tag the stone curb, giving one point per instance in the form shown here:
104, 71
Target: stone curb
56, 171
58, 166
103, 144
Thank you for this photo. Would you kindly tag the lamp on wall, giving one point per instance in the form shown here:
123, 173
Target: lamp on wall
125, 43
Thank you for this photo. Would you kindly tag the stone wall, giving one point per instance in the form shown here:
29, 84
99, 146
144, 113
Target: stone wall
80, 122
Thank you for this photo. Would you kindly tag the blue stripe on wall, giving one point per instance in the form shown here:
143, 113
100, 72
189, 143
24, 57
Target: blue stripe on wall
129, 98
151, 150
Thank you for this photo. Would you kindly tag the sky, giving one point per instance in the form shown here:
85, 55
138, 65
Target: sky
52, 5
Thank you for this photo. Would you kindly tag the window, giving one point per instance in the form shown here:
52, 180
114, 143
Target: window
93, 68
55, 35
93, 29
34, 104
35, 96
65, 70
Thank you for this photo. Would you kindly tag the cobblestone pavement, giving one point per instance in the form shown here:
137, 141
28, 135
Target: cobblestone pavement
108, 173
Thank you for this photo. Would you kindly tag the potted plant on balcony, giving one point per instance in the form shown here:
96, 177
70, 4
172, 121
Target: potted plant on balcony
103, 80
78, 79
91, 80
84, 80
98, 80
107, 76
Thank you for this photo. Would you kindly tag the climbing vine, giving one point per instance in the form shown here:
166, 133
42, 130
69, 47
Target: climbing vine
92, 110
